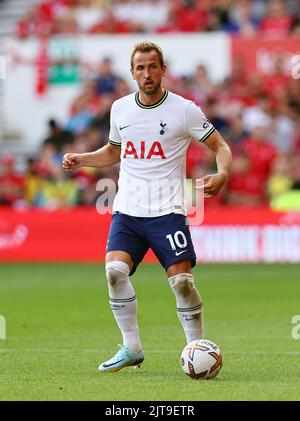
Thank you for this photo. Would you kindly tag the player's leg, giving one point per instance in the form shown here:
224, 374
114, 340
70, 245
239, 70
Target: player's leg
122, 298
125, 250
188, 300
170, 239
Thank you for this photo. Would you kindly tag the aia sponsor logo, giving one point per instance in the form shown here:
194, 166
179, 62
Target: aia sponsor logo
142, 152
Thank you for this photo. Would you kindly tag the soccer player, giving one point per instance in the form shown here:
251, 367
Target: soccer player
150, 133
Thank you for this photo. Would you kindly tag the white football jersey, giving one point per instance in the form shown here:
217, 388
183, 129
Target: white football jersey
154, 140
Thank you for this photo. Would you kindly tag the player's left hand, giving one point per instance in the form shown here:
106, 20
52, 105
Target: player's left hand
211, 184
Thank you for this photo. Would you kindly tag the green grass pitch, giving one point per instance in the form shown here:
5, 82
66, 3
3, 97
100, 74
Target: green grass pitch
59, 328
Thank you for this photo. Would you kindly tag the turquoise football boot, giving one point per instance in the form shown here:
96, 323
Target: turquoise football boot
123, 358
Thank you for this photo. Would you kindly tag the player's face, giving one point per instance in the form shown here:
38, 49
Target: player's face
147, 72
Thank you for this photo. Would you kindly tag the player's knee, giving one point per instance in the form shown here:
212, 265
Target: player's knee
116, 272
183, 284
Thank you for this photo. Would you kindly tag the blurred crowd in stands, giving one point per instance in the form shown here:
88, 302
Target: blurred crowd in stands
247, 17
258, 116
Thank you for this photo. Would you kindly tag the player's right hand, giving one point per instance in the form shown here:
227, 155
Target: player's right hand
71, 161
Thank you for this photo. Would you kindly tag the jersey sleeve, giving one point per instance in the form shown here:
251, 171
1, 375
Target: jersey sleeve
197, 124
114, 134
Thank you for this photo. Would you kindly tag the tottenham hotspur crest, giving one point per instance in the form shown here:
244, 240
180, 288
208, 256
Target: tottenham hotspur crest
162, 125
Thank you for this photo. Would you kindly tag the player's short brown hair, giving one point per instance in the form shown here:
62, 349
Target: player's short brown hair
146, 47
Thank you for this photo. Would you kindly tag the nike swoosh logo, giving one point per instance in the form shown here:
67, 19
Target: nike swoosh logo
116, 362
124, 127
180, 252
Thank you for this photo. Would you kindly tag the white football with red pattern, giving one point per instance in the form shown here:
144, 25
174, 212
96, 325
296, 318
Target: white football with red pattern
201, 359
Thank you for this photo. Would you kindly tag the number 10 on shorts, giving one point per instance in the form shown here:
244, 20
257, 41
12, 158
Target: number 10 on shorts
178, 238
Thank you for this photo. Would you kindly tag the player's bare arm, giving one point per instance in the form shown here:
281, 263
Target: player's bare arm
104, 157
212, 183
